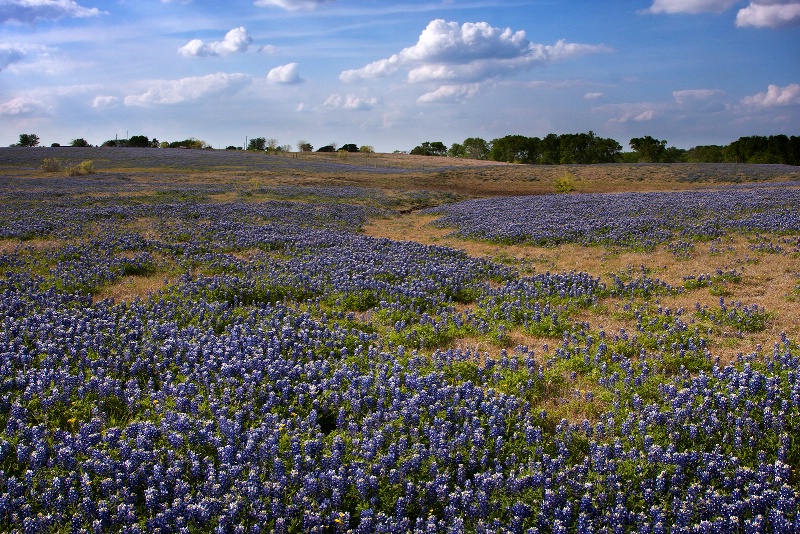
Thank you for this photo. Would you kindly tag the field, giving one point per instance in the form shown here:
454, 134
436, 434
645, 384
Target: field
213, 341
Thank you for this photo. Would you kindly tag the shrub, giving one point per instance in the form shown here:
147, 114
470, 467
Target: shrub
51, 165
86, 167
565, 183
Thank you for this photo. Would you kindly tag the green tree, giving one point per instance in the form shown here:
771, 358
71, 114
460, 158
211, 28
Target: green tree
29, 140
476, 148
192, 142
430, 148
550, 150
515, 149
80, 142
349, 147
139, 141
257, 144
457, 150
648, 149
304, 146
706, 154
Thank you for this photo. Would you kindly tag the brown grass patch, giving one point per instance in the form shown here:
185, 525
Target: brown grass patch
767, 280
129, 288
8, 246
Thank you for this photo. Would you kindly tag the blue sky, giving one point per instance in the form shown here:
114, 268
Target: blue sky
394, 74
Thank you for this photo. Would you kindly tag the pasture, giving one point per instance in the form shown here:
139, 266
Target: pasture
213, 341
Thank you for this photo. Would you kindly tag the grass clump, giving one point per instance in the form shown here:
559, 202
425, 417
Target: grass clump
565, 183
84, 168
51, 165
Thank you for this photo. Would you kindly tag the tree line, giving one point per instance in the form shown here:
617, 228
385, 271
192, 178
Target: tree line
588, 148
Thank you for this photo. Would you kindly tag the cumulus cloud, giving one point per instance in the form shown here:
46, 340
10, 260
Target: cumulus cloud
689, 6
10, 53
285, 74
769, 14
350, 102
775, 97
21, 107
450, 93
687, 96
471, 52
631, 111
169, 92
235, 40
20, 58
30, 11
104, 101
291, 5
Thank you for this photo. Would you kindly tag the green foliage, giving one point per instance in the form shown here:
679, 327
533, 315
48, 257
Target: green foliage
476, 148
85, 167
744, 318
428, 148
51, 165
456, 150
140, 141
80, 142
257, 144
192, 142
580, 148
648, 149
762, 149
28, 140
565, 183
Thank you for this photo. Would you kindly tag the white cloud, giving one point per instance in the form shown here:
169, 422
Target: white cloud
21, 107
692, 95
291, 5
103, 101
449, 93
471, 52
11, 53
235, 40
167, 92
30, 11
285, 74
350, 102
593, 96
689, 6
769, 14
631, 111
775, 97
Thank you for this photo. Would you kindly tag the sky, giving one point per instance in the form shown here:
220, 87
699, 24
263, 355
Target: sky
393, 74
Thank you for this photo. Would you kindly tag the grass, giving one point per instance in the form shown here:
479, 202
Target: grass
400, 185
768, 284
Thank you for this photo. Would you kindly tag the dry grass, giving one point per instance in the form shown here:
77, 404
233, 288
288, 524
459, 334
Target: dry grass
768, 280
8, 246
130, 288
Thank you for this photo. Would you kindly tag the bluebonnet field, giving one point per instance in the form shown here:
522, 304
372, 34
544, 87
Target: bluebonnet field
292, 374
